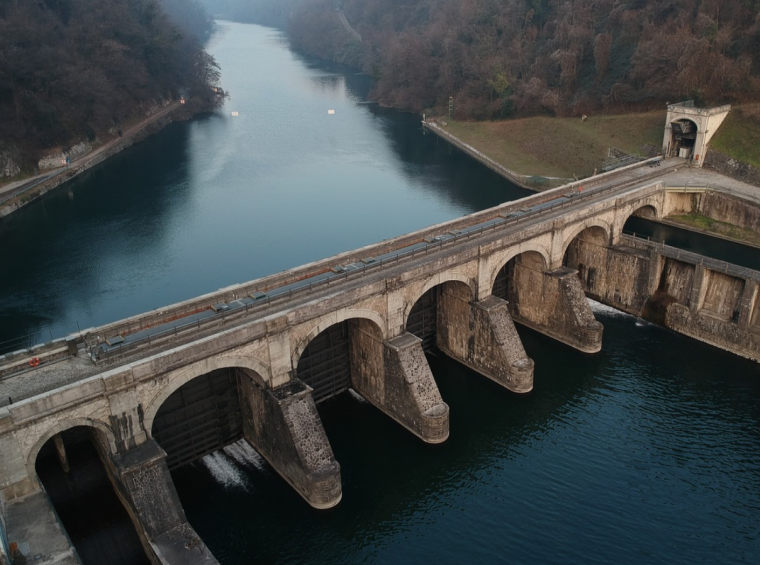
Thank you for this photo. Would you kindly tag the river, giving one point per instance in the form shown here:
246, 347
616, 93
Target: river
648, 452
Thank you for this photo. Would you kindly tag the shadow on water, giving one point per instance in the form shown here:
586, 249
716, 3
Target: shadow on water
84, 499
391, 479
630, 434
119, 207
432, 160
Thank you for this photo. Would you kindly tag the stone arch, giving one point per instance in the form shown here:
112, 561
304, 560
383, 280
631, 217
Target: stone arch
437, 279
577, 229
61, 426
331, 319
497, 264
521, 272
261, 374
647, 210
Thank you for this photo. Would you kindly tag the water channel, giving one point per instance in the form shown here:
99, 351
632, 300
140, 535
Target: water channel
646, 452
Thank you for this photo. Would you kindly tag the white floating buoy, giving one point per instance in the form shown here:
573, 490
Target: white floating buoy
331, 111
235, 113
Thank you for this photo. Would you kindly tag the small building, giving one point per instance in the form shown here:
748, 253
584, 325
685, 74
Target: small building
688, 130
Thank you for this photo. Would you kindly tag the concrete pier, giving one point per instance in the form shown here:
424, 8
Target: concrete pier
284, 427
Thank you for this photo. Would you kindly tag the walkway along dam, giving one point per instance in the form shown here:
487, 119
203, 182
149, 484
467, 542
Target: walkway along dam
162, 389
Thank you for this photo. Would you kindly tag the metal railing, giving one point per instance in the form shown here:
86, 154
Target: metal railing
640, 242
451, 239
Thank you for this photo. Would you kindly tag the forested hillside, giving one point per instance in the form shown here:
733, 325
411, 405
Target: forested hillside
73, 69
266, 12
500, 58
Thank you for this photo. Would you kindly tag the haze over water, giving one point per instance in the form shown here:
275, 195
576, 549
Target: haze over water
648, 452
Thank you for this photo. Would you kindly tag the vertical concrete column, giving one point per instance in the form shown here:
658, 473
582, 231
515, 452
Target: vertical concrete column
61, 450
747, 303
698, 288
144, 484
656, 263
482, 336
283, 425
409, 394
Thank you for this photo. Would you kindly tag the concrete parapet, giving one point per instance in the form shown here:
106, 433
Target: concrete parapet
492, 346
410, 394
283, 425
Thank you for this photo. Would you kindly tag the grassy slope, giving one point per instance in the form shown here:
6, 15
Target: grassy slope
739, 135
561, 147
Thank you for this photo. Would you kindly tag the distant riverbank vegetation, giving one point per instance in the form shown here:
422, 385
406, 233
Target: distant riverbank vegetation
505, 58
73, 70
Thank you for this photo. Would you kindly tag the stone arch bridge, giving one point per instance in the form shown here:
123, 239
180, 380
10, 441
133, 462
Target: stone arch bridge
251, 361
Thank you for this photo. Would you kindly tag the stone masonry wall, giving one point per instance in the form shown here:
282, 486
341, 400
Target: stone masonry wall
617, 276
730, 167
411, 394
284, 427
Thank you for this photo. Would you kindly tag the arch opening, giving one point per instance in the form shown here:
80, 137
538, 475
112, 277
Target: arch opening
640, 221
335, 358
430, 315
72, 468
683, 138
202, 416
587, 254
525, 270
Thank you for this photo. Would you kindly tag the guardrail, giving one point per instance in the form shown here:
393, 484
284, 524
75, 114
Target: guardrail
447, 239
509, 215
717, 265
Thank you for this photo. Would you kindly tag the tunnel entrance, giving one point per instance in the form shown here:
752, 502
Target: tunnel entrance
423, 318
200, 417
683, 139
325, 363
83, 497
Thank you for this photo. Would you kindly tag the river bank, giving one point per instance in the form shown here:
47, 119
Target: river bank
15, 195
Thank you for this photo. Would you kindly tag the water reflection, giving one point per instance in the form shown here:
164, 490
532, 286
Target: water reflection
61, 250
225, 199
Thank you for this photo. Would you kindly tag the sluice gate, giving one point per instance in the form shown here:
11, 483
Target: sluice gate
325, 363
201, 417
423, 319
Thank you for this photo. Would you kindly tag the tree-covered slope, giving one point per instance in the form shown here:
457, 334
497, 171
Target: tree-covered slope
499, 58
72, 69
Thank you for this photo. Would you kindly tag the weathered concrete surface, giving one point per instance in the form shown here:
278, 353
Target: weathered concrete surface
182, 546
410, 395
146, 484
715, 330
33, 525
553, 303
614, 275
482, 336
143, 483
284, 427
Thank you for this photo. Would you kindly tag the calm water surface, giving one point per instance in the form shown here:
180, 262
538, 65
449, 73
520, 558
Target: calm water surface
226, 199
648, 452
